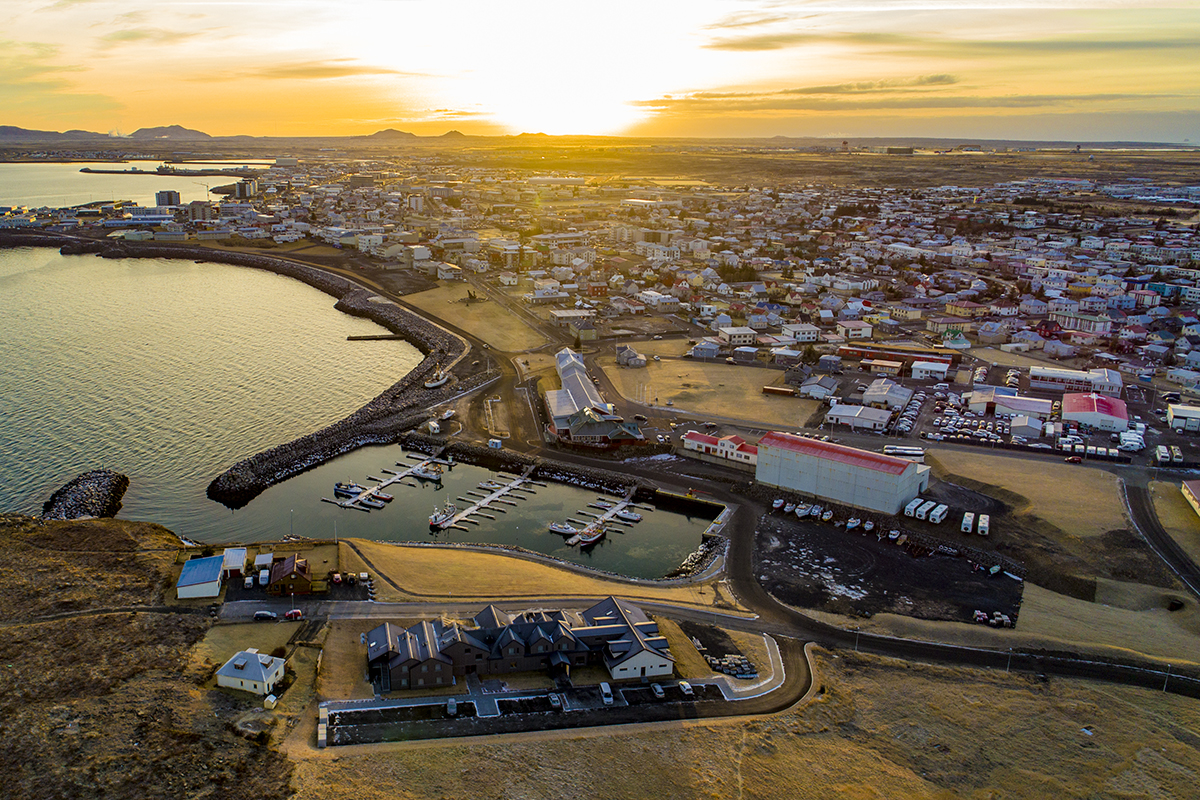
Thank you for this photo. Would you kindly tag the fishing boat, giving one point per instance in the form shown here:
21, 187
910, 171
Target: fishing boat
427, 472
439, 519
789, 508
868, 526
590, 537
350, 489
370, 502
777, 504
563, 528
601, 504
815, 511
628, 516
802, 510
853, 523
387, 498
827, 515
491, 485
439, 379
893, 535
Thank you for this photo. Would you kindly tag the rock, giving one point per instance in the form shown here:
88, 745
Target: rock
93, 494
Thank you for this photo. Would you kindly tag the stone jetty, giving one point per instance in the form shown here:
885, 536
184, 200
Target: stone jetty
96, 493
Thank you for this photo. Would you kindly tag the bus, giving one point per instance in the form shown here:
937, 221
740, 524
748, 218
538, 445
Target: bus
1162, 455
968, 522
985, 522
916, 454
1176, 454
910, 510
925, 508
938, 514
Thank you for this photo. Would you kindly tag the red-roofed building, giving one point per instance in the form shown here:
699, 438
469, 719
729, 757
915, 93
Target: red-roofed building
1098, 411
839, 473
732, 449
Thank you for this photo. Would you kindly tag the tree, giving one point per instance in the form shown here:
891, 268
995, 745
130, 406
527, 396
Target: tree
810, 356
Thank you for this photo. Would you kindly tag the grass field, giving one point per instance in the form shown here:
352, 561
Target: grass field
489, 321
423, 573
1177, 516
222, 641
1048, 487
712, 390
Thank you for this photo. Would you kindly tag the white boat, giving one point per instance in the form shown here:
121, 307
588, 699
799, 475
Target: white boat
350, 489
601, 504
777, 504
491, 485
789, 508
369, 502
853, 523
893, 535
590, 537
427, 472
563, 528
827, 515
628, 516
868, 526
439, 379
815, 511
802, 510
439, 519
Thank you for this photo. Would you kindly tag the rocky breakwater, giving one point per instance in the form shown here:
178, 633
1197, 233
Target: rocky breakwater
93, 494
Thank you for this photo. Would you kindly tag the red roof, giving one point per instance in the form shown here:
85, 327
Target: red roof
1094, 403
836, 452
702, 438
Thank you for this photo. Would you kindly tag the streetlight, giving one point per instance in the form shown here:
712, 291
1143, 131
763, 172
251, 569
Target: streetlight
291, 516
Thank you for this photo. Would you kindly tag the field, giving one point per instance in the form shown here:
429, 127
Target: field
487, 320
426, 573
1177, 517
876, 729
222, 641
717, 391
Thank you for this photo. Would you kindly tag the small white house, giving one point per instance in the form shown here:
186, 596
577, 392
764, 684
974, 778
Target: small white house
200, 577
251, 671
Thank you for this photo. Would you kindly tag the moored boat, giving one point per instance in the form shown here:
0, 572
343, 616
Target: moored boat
350, 489
628, 516
777, 504
802, 510
563, 528
589, 537
789, 508
893, 534
853, 523
369, 502
868, 526
441, 518
439, 379
827, 515
427, 472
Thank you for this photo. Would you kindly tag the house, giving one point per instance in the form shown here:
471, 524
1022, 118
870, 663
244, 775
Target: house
705, 349
818, 387
290, 576
200, 577
628, 357
728, 449
803, 333
251, 671
738, 336
992, 333
853, 329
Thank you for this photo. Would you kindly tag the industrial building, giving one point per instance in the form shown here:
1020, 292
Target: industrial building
1183, 418
865, 417
200, 577
1096, 411
579, 415
1103, 381
839, 473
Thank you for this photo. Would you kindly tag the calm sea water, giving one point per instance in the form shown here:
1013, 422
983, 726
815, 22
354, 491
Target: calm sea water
63, 185
170, 372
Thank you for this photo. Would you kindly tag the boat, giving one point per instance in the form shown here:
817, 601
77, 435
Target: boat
350, 489
387, 498
777, 504
815, 511
427, 472
628, 516
439, 519
491, 485
439, 378
802, 510
590, 537
903, 538
827, 515
789, 508
369, 502
868, 526
563, 528
893, 535
853, 523
601, 504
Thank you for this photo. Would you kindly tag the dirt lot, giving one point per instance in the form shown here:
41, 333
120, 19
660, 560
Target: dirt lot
486, 319
1176, 516
711, 390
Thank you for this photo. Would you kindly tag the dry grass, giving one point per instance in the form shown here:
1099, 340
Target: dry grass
689, 663
1079, 501
222, 641
1021, 360
1177, 516
423, 573
711, 390
489, 320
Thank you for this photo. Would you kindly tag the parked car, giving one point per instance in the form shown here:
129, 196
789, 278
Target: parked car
1073, 460
686, 688
555, 701
265, 616
657, 691
606, 694
294, 615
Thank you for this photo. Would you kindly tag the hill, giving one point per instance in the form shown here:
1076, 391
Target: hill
175, 132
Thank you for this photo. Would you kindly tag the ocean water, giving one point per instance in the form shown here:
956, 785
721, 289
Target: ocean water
62, 185
170, 372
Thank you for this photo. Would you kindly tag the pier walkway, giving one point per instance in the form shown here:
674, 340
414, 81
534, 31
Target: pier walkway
497, 494
396, 477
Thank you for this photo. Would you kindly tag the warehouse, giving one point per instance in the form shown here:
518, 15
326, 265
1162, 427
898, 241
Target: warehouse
871, 419
1104, 381
839, 473
200, 577
1183, 418
1096, 411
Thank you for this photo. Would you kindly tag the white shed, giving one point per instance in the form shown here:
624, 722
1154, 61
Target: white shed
200, 577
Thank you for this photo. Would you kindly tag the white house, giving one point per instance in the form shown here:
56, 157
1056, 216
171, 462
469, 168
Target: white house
251, 671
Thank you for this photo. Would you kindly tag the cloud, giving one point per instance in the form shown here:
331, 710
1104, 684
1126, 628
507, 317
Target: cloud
321, 69
136, 35
858, 87
34, 84
747, 19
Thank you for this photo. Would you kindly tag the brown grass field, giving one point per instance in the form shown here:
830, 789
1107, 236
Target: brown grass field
876, 729
488, 320
428, 573
711, 390
222, 641
1176, 516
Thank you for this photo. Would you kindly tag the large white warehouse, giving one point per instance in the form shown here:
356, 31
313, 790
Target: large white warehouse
842, 474
1097, 411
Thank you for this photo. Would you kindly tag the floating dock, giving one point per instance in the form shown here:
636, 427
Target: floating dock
496, 494
396, 477
607, 519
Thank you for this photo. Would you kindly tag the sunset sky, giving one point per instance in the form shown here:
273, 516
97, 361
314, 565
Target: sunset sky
1101, 70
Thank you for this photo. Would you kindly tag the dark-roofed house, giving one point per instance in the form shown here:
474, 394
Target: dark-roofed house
438, 652
290, 576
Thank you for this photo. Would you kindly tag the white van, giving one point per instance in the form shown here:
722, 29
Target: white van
985, 523
264, 577
968, 522
606, 693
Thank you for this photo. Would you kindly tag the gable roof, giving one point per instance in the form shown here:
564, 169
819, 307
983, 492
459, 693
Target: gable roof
836, 452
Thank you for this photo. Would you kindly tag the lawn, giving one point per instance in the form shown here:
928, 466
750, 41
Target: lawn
1177, 516
487, 320
711, 390
222, 641
424, 572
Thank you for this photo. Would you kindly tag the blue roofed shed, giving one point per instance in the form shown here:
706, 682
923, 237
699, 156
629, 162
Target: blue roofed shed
200, 577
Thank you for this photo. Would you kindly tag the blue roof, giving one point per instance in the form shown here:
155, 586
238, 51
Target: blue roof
201, 570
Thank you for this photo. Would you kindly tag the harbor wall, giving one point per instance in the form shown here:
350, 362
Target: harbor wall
96, 493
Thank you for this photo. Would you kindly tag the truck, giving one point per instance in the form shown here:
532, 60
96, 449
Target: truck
938, 514
968, 522
925, 508
910, 510
1162, 455
985, 522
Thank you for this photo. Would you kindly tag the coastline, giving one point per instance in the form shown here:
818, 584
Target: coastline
399, 408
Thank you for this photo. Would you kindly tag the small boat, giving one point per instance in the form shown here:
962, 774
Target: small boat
802, 510
868, 526
439, 379
439, 519
628, 516
815, 511
427, 472
601, 504
893, 534
491, 485
827, 515
369, 502
563, 528
777, 504
448, 414
350, 489
789, 508
387, 498
853, 523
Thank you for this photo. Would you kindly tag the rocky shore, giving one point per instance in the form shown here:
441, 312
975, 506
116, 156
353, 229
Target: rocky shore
93, 494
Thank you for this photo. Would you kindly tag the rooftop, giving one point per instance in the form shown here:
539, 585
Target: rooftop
836, 452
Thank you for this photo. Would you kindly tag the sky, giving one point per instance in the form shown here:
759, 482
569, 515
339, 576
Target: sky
1104, 70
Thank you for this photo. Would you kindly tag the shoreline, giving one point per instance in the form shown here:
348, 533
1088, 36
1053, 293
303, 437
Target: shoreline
382, 420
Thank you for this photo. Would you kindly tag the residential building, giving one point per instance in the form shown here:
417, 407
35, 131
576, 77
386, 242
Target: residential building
728, 449
252, 671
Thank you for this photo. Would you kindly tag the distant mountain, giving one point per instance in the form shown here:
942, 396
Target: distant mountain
173, 132
453, 135
391, 133
11, 133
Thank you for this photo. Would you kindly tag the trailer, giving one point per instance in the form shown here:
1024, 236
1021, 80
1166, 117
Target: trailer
925, 508
910, 510
968, 522
985, 522
939, 514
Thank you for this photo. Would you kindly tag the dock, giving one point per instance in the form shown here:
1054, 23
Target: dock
489, 496
608, 519
396, 477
